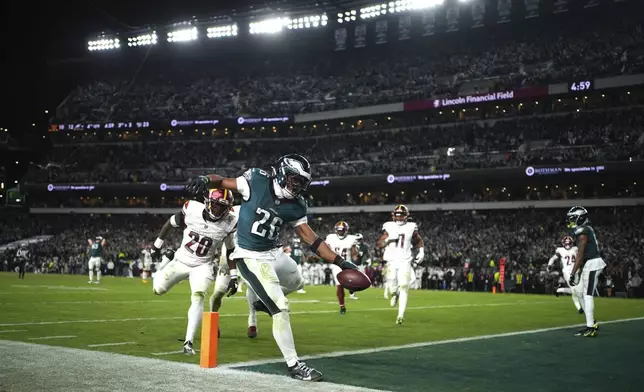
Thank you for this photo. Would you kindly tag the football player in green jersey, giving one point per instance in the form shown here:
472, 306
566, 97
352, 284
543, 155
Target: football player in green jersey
269, 202
589, 262
95, 253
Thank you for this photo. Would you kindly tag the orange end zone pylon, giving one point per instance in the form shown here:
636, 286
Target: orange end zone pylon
209, 340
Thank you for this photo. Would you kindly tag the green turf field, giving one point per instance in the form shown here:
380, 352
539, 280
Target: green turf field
66, 311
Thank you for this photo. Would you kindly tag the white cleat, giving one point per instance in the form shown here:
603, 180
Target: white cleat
399, 321
90, 282
353, 296
97, 282
301, 291
394, 300
187, 348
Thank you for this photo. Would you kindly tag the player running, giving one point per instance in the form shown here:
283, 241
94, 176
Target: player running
397, 239
95, 252
343, 244
566, 255
363, 259
207, 226
146, 259
589, 262
270, 201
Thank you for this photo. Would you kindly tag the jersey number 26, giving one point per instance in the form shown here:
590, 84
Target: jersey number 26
262, 227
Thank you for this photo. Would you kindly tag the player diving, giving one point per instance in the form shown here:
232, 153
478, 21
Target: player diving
269, 202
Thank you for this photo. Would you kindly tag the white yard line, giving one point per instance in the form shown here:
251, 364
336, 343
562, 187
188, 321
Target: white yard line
91, 288
514, 303
110, 344
13, 330
53, 337
422, 344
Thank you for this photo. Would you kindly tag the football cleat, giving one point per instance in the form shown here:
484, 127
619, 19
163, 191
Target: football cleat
587, 332
399, 321
301, 291
353, 296
303, 372
252, 332
343, 310
595, 325
90, 282
581, 311
187, 348
394, 300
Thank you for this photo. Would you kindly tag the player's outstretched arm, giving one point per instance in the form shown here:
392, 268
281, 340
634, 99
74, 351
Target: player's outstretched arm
201, 184
320, 248
176, 220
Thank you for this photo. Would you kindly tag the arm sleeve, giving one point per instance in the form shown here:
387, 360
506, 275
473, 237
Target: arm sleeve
177, 219
243, 187
300, 221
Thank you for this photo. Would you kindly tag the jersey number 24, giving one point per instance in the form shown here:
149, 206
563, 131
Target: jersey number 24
263, 227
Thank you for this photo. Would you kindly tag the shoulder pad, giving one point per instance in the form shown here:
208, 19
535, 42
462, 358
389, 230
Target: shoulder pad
580, 230
256, 172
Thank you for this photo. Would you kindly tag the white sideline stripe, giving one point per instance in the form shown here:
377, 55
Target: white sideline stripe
13, 330
110, 344
172, 352
295, 301
421, 344
53, 337
522, 302
60, 287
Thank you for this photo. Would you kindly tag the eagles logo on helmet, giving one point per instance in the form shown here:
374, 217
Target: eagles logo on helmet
567, 242
400, 214
342, 229
293, 174
577, 216
218, 203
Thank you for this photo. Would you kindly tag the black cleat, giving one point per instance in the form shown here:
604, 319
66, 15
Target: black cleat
304, 373
588, 332
556, 294
595, 325
580, 311
343, 310
260, 307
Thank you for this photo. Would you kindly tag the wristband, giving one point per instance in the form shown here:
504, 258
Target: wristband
316, 244
338, 260
233, 273
158, 243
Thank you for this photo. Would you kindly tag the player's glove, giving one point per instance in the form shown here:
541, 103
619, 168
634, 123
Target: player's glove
233, 285
155, 253
420, 256
347, 265
169, 253
198, 186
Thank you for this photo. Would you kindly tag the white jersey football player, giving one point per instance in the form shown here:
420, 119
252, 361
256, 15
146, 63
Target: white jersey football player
566, 255
399, 238
146, 260
343, 244
206, 226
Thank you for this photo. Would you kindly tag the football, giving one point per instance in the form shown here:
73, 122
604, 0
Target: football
354, 280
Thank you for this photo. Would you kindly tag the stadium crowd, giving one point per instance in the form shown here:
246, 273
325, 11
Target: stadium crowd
589, 136
453, 239
594, 46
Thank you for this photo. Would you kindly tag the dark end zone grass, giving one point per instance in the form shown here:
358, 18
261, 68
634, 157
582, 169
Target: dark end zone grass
540, 362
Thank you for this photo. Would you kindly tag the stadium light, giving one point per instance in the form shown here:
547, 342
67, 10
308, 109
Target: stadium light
268, 26
307, 22
411, 5
222, 31
143, 40
183, 35
373, 11
347, 16
104, 44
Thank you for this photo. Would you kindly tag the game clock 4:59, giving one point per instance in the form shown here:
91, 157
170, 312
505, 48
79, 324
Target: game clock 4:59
582, 85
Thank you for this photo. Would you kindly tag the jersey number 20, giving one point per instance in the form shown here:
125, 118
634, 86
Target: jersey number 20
262, 227
203, 244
